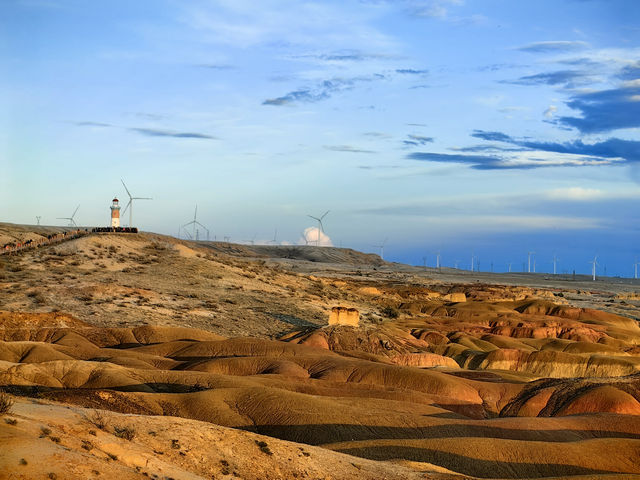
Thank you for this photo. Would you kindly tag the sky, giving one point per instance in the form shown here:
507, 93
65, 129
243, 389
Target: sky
473, 128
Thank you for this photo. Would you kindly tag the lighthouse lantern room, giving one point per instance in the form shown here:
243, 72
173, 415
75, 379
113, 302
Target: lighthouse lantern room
115, 213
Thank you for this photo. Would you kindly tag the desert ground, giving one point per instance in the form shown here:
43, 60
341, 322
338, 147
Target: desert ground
140, 355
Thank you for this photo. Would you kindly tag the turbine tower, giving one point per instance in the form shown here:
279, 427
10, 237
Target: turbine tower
381, 247
473, 259
130, 204
72, 222
320, 226
529, 260
635, 268
593, 263
438, 260
555, 261
275, 238
195, 222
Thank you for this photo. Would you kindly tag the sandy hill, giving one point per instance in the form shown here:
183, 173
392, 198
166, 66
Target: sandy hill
308, 253
212, 343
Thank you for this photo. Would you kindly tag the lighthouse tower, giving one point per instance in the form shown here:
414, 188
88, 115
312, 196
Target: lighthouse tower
115, 213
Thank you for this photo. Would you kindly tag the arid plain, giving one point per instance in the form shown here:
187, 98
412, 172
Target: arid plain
139, 355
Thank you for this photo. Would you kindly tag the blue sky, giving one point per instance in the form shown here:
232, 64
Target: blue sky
497, 127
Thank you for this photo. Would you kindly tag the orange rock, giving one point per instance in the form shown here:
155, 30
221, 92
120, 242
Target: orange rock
344, 316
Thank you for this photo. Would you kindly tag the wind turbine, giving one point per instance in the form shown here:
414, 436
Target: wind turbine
593, 263
275, 238
320, 226
72, 222
381, 247
529, 261
555, 261
130, 204
195, 222
473, 259
635, 268
509, 267
38, 219
438, 260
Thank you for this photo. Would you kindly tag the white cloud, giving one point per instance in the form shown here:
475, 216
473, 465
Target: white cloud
310, 237
575, 193
549, 112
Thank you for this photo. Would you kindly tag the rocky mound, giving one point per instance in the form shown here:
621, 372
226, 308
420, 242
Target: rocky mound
368, 405
52, 441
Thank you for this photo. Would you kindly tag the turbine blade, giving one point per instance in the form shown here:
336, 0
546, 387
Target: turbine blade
141, 198
125, 208
75, 211
125, 187
325, 214
315, 218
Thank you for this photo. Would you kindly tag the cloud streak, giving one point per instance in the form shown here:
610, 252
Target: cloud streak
417, 140
568, 78
152, 132
612, 148
322, 91
149, 132
560, 46
347, 148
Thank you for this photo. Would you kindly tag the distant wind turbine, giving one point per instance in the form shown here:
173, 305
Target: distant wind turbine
320, 226
555, 261
509, 267
635, 268
38, 219
72, 222
593, 263
381, 247
529, 261
130, 203
195, 222
438, 259
275, 237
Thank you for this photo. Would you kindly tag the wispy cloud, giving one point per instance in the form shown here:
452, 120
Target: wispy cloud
431, 8
345, 56
559, 46
411, 71
612, 148
417, 140
377, 134
213, 66
347, 148
152, 132
322, 91
569, 78
515, 160
92, 124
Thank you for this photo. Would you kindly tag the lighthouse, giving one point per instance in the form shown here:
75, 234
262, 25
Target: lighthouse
115, 213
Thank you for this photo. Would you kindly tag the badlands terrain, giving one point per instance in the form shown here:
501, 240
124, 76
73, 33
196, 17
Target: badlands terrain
139, 355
